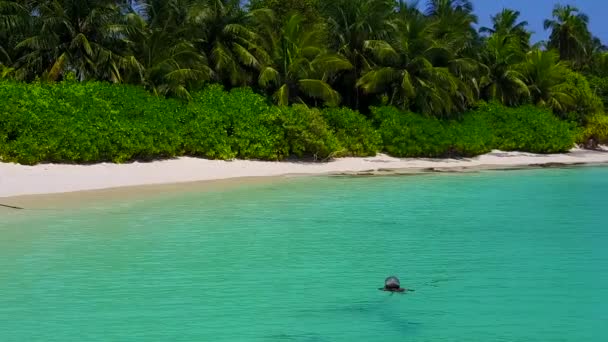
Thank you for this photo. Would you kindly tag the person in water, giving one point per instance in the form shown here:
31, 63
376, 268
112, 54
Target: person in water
392, 284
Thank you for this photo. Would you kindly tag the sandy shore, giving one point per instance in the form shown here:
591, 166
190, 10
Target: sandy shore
18, 180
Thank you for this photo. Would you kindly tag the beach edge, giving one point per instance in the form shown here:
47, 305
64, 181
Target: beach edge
17, 181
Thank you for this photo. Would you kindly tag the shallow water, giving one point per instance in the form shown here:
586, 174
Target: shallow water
492, 256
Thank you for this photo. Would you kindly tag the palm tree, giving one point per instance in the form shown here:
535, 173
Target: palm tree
458, 9
594, 60
301, 65
418, 70
282, 9
569, 32
83, 36
544, 75
505, 83
225, 33
598, 65
453, 31
15, 25
505, 23
350, 24
170, 63
455, 21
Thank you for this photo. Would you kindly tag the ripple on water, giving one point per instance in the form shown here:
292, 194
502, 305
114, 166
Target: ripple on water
492, 256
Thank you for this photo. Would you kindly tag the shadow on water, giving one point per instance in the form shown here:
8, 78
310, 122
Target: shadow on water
386, 310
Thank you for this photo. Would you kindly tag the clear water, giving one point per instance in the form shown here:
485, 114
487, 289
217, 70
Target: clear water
494, 256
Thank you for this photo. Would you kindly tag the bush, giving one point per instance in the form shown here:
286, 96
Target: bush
71, 122
406, 134
599, 86
91, 122
236, 124
585, 100
596, 131
242, 124
490, 126
471, 136
527, 128
306, 133
356, 134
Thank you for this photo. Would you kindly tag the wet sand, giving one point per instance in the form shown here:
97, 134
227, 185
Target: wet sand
23, 186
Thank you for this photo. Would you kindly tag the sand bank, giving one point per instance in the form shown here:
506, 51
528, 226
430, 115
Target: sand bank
18, 180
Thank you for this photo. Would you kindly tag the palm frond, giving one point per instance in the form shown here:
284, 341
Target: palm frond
268, 76
320, 90
281, 96
376, 81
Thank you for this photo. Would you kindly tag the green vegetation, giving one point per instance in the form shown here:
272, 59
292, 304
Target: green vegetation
89, 122
491, 126
356, 134
119, 80
599, 86
596, 132
92, 121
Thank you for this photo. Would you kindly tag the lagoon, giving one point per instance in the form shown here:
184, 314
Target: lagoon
492, 256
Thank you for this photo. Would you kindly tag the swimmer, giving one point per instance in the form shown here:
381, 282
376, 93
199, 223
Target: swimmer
391, 284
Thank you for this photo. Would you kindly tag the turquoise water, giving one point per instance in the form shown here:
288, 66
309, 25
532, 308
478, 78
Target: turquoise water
493, 256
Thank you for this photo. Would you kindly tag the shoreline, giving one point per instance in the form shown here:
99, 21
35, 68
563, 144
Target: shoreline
46, 179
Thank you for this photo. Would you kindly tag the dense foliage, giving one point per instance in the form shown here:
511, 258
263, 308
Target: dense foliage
92, 121
89, 122
119, 80
427, 59
596, 131
491, 126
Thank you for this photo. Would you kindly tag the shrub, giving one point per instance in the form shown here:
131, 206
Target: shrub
98, 122
91, 122
585, 100
72, 122
306, 133
599, 85
406, 134
490, 126
596, 131
527, 128
236, 124
354, 131
471, 135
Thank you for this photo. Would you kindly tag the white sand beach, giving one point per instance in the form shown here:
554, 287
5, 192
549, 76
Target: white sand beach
18, 180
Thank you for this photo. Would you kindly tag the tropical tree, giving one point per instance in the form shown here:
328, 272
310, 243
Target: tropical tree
169, 63
454, 21
503, 50
505, 83
15, 24
302, 66
350, 24
83, 36
569, 33
506, 24
598, 66
352, 51
283, 9
418, 70
226, 34
594, 61
544, 75
451, 11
